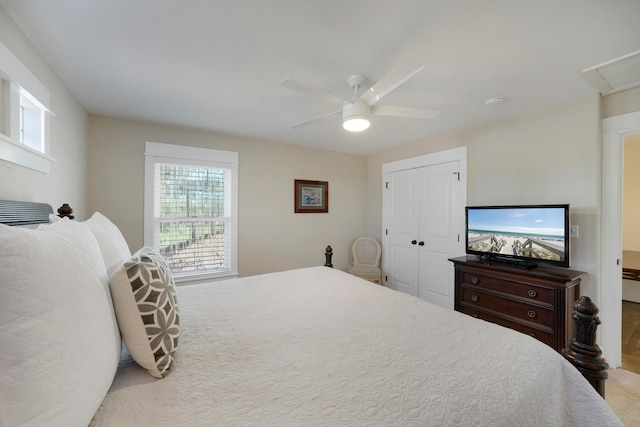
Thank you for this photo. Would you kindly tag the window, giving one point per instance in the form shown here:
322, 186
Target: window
32, 122
191, 209
24, 115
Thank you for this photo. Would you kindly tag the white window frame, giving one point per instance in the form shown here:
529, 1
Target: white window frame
19, 84
169, 153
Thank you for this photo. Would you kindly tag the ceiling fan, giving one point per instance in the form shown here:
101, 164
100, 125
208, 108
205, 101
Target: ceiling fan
356, 113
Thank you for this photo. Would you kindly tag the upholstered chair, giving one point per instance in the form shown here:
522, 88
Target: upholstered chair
366, 252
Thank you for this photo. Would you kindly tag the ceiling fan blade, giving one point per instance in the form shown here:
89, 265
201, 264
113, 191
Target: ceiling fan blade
317, 119
391, 80
309, 90
414, 113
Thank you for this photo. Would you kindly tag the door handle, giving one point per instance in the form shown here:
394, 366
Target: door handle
421, 244
413, 242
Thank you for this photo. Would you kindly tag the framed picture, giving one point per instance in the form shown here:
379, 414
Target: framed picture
311, 196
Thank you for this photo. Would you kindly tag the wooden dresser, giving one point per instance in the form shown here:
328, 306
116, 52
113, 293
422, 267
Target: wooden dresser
537, 301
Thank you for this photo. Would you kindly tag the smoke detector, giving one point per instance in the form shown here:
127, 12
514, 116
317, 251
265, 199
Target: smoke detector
492, 102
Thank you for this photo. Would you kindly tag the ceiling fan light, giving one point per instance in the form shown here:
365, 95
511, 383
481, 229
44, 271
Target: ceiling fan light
355, 117
356, 124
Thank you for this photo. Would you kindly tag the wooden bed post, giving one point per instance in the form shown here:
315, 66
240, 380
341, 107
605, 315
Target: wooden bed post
328, 253
65, 210
582, 351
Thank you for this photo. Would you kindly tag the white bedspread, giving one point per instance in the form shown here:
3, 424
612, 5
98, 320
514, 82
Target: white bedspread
317, 346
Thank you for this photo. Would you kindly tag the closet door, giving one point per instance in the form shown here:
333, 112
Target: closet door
402, 231
438, 231
423, 225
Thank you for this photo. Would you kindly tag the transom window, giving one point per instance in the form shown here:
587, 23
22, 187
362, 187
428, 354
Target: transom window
24, 115
32, 122
190, 209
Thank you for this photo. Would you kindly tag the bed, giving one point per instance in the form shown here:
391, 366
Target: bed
311, 346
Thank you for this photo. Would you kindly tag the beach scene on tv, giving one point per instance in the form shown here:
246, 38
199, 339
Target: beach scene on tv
532, 232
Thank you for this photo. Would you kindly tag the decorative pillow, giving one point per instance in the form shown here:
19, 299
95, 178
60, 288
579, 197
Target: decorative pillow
146, 307
113, 246
59, 340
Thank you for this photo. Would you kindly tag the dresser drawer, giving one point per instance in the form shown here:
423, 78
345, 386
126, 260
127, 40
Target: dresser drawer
472, 296
536, 301
524, 290
546, 337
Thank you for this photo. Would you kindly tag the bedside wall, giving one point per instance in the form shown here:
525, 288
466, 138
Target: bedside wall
271, 236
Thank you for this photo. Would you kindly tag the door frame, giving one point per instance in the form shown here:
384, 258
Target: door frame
614, 130
458, 154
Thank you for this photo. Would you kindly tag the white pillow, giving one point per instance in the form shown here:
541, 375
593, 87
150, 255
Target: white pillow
60, 344
146, 306
112, 244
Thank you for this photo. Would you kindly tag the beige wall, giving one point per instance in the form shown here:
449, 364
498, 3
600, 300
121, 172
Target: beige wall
631, 195
614, 105
546, 157
66, 183
624, 102
550, 156
271, 236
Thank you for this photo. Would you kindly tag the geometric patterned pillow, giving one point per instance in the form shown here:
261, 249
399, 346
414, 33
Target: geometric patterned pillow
146, 306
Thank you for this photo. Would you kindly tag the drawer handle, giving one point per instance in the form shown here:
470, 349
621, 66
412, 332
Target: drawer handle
474, 298
474, 280
532, 293
531, 313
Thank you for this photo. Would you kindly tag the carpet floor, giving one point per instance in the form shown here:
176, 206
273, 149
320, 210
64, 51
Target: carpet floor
622, 393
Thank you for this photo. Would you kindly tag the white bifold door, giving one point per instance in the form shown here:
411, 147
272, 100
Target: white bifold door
423, 226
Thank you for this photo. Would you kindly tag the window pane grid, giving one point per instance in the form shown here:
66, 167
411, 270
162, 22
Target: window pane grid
192, 217
194, 246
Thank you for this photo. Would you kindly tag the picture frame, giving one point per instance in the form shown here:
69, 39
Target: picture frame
311, 196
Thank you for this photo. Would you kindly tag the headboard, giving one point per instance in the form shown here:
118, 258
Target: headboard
17, 213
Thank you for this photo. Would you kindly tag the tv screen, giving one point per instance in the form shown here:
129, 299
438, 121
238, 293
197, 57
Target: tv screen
526, 234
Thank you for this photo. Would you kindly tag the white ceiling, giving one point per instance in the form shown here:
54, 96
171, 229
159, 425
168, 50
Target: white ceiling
217, 64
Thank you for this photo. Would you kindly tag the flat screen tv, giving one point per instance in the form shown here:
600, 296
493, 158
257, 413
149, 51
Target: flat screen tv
525, 234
